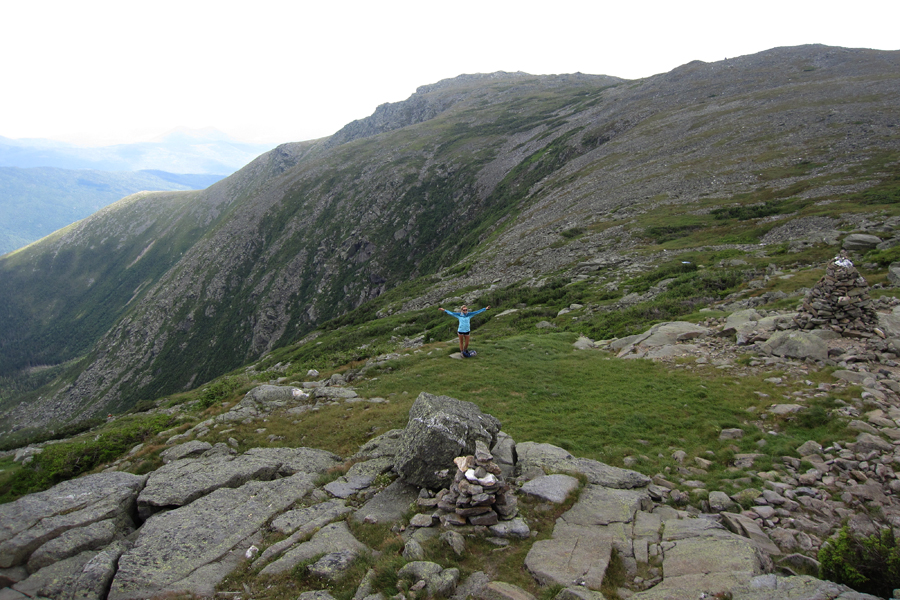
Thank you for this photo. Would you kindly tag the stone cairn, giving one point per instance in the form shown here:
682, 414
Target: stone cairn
478, 495
840, 302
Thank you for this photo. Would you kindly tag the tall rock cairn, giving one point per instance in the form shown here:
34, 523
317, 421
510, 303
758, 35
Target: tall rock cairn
839, 301
478, 495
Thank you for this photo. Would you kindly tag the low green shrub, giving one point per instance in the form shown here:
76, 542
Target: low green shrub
60, 462
867, 564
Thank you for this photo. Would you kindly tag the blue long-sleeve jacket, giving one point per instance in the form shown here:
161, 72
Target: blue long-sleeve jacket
464, 326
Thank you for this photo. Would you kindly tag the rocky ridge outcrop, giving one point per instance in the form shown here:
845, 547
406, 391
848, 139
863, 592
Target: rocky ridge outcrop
667, 553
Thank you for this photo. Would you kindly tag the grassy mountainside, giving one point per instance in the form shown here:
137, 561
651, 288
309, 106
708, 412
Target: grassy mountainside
481, 187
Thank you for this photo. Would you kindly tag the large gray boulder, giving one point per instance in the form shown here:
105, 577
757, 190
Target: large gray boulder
440, 428
262, 400
796, 344
274, 395
194, 547
861, 242
34, 520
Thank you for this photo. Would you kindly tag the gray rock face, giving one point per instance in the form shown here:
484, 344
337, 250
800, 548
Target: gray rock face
53, 581
552, 488
861, 241
75, 541
441, 428
540, 458
182, 481
195, 546
796, 344
297, 460
186, 450
36, 519
389, 505
332, 538
96, 576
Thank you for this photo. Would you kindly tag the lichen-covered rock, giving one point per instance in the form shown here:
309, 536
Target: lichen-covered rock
440, 428
335, 537
35, 519
76, 540
195, 546
182, 481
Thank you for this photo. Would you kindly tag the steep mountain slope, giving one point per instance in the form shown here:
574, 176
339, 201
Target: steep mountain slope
37, 201
510, 177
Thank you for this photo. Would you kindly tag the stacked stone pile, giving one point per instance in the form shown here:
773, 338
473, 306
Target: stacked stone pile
839, 301
478, 495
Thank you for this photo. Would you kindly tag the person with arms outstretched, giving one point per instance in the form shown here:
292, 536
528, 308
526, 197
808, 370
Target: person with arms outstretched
465, 329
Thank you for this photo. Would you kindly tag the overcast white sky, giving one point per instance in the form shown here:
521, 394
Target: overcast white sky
278, 71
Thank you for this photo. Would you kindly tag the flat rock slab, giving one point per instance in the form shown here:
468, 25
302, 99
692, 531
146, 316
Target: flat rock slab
578, 558
275, 394
705, 555
553, 458
344, 487
335, 537
667, 334
693, 586
306, 520
371, 468
552, 488
673, 351
35, 519
75, 541
802, 587
760, 587
297, 460
182, 481
187, 450
682, 529
194, 547
598, 505
389, 505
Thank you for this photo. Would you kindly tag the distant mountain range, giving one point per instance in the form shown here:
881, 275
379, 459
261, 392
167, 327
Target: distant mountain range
46, 185
182, 150
38, 201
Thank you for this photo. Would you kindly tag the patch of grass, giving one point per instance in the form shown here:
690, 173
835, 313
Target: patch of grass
67, 460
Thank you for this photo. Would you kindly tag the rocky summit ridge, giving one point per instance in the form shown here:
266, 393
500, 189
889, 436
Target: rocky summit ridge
478, 181
184, 527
